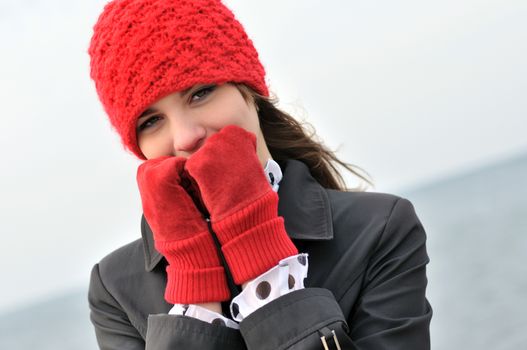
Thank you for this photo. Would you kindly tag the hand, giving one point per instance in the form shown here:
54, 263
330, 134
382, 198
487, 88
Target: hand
194, 272
242, 204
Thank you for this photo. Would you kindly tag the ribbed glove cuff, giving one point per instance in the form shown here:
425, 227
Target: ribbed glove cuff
194, 271
196, 286
254, 239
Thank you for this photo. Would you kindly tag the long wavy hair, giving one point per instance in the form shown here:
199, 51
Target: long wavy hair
287, 138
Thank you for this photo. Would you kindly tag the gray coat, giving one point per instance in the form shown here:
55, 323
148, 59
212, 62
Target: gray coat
366, 281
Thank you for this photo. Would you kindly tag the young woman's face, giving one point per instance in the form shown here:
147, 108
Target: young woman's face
180, 123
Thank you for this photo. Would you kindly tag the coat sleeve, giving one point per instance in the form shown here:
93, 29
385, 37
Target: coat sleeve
171, 332
391, 311
114, 331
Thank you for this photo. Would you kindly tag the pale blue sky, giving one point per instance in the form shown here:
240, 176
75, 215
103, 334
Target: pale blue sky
412, 91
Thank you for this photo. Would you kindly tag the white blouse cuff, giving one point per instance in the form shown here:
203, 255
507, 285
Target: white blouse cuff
203, 314
280, 280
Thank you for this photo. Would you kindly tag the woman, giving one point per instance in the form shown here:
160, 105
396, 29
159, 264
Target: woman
249, 238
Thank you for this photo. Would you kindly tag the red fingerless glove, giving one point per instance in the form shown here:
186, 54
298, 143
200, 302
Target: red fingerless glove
194, 271
242, 204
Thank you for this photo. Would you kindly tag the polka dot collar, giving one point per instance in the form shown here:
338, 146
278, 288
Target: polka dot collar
274, 173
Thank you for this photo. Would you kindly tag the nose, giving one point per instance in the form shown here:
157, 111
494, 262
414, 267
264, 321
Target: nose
187, 138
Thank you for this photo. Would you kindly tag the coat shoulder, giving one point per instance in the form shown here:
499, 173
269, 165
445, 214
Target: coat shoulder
367, 227
363, 208
129, 257
370, 216
122, 277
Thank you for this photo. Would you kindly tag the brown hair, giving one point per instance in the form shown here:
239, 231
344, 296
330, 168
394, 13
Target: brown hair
288, 138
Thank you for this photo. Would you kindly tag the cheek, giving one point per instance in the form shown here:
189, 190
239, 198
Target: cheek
152, 149
246, 117
156, 145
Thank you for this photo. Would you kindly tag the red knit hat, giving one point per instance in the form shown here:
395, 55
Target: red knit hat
143, 50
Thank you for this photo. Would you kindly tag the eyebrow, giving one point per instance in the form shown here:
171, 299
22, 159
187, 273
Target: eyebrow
149, 111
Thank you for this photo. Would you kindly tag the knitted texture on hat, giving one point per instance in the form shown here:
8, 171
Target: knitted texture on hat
143, 50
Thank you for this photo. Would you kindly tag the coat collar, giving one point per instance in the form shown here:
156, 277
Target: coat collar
303, 204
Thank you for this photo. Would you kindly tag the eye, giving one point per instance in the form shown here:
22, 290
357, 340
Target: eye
148, 123
202, 93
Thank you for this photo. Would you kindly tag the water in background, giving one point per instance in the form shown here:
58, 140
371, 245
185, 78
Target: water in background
476, 226
477, 242
60, 323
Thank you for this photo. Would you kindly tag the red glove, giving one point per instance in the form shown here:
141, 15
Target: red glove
194, 271
242, 204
